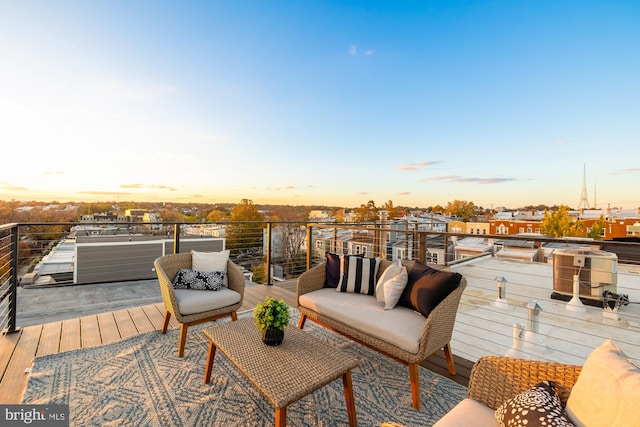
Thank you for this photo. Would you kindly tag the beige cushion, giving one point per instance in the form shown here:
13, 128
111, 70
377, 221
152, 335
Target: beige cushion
467, 413
390, 286
607, 392
192, 302
401, 326
211, 261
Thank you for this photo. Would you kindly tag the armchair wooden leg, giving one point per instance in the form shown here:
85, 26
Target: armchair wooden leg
165, 325
414, 378
303, 318
183, 339
234, 316
449, 356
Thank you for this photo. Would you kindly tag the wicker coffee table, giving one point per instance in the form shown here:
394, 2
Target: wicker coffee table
286, 373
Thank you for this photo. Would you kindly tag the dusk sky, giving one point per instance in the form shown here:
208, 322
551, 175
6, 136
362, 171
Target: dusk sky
501, 103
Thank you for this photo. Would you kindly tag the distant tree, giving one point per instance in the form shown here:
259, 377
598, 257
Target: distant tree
293, 235
244, 233
597, 229
462, 209
259, 273
216, 215
366, 213
437, 208
393, 212
559, 224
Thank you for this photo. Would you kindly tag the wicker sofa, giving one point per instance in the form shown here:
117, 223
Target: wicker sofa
400, 333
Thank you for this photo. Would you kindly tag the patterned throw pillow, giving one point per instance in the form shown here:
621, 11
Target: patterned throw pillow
198, 280
538, 406
358, 275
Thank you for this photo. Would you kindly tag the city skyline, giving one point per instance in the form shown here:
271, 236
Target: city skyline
321, 103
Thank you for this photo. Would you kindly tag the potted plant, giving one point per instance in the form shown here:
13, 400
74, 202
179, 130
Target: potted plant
271, 317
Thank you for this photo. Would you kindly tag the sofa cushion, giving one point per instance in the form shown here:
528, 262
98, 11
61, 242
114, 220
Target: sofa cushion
607, 390
192, 302
537, 406
427, 287
198, 280
401, 326
390, 285
211, 261
332, 273
358, 275
467, 413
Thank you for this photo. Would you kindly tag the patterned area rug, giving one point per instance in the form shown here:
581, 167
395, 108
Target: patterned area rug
141, 381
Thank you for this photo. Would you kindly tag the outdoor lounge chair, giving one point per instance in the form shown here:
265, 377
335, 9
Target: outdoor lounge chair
191, 307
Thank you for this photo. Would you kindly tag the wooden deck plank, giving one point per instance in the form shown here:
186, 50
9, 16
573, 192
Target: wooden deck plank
70, 339
125, 324
108, 328
140, 319
7, 346
50, 339
15, 378
89, 331
155, 313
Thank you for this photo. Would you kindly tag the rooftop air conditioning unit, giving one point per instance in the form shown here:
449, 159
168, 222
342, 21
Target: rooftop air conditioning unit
597, 271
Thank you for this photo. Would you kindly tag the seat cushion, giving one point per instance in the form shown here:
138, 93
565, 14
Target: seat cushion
401, 326
192, 302
467, 413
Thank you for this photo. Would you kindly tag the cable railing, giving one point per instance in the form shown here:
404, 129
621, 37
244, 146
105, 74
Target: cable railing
54, 254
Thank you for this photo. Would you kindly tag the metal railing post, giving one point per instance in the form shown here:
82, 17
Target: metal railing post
309, 246
13, 281
176, 238
268, 254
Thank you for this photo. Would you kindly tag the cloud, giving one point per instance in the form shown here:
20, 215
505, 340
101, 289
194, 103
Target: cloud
101, 193
153, 187
412, 167
353, 50
362, 193
462, 179
53, 173
10, 187
369, 52
623, 171
403, 193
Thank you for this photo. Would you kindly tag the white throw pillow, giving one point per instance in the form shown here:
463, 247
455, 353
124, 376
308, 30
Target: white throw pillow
211, 261
607, 391
390, 285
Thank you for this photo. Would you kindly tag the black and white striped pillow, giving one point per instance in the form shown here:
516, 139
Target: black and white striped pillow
358, 275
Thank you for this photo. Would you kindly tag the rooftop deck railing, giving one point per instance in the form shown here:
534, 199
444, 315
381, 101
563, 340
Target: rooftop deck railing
272, 251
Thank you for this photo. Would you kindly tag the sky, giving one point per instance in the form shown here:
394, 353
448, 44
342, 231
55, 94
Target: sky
500, 103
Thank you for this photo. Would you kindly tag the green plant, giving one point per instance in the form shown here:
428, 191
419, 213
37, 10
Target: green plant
271, 313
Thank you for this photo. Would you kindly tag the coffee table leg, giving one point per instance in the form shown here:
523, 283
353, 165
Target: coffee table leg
348, 396
210, 357
281, 417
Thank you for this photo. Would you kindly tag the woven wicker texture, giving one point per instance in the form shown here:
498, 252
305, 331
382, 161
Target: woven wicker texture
284, 374
167, 267
437, 330
495, 379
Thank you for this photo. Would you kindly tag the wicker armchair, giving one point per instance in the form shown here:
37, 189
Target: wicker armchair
224, 302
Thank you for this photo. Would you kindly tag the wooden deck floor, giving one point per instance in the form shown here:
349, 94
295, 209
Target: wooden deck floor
18, 350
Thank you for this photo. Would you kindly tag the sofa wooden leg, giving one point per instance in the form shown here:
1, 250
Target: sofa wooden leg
414, 378
449, 356
183, 339
234, 316
165, 325
303, 318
